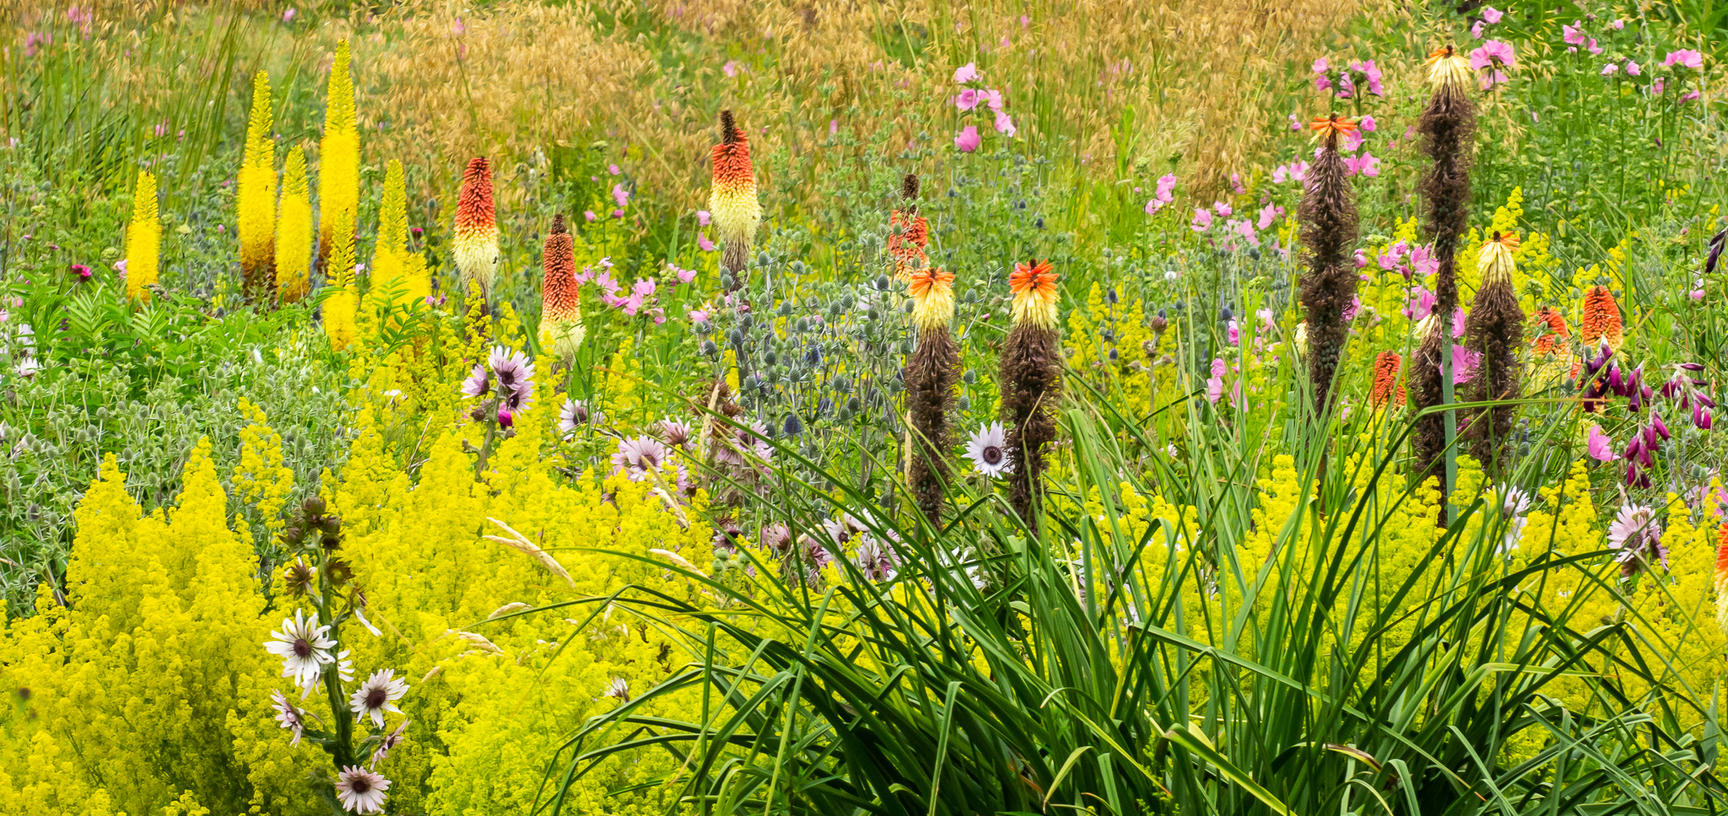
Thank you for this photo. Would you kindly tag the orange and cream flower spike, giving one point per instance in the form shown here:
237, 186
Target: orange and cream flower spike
1722, 576
1448, 70
1034, 286
932, 292
476, 227
732, 200
1601, 322
561, 329
143, 238
1495, 259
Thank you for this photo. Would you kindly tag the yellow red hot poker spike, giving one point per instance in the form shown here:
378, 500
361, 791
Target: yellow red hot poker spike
294, 231
932, 291
338, 158
255, 194
1448, 70
476, 227
143, 239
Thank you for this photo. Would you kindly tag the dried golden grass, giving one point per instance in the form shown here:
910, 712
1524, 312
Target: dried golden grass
1113, 88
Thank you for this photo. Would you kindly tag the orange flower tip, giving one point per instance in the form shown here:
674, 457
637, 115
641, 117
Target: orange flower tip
1506, 239
1443, 52
1328, 127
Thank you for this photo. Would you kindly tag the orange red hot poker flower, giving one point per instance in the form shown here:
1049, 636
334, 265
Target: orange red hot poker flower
1722, 576
932, 292
561, 327
1034, 286
732, 200
1601, 322
1388, 389
909, 234
476, 226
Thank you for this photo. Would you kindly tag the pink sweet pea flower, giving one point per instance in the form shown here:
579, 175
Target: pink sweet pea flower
1600, 447
1223, 210
1004, 124
1685, 59
1215, 383
1202, 220
1421, 304
1573, 34
992, 99
968, 140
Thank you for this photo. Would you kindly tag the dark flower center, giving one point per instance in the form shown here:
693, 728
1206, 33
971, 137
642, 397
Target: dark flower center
302, 648
376, 697
992, 455
360, 784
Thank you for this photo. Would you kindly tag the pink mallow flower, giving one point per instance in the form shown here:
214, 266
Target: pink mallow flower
968, 140
1004, 124
1491, 15
1492, 59
1202, 220
966, 73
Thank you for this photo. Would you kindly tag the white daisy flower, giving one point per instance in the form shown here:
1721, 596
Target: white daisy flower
377, 695
304, 647
360, 790
988, 450
1637, 535
1515, 504
288, 716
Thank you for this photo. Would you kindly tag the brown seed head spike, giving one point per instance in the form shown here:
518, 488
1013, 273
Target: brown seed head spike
728, 128
558, 227
909, 187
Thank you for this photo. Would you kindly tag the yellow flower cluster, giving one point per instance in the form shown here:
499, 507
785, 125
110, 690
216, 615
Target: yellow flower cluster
261, 479
1107, 345
159, 657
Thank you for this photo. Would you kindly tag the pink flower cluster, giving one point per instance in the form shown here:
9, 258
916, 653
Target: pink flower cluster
1490, 16
972, 94
1165, 194
1358, 74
